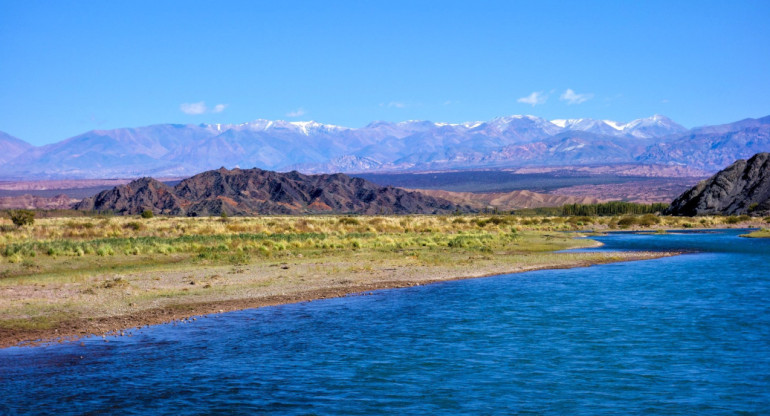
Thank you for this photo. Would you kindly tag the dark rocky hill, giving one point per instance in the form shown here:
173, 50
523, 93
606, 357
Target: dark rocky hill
256, 191
741, 188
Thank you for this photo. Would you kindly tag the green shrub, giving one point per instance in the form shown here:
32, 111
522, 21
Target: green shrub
753, 206
732, 220
582, 220
22, 217
493, 220
648, 220
349, 221
79, 225
134, 225
147, 214
104, 250
626, 222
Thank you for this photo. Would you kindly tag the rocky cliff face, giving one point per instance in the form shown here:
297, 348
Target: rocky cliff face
256, 191
741, 188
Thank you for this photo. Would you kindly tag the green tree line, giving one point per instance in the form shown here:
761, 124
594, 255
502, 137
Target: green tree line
611, 208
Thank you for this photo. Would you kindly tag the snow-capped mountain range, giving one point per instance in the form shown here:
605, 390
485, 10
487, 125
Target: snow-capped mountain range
308, 146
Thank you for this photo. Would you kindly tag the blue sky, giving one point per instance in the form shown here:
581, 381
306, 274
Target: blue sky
70, 67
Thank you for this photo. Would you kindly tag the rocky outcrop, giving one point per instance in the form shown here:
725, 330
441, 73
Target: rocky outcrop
135, 197
256, 191
36, 202
741, 188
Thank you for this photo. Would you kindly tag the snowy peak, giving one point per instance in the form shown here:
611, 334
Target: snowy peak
654, 126
304, 127
519, 122
643, 128
310, 127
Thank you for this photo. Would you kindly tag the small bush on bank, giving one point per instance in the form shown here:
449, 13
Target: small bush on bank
349, 221
648, 220
626, 222
147, 214
582, 220
22, 217
134, 225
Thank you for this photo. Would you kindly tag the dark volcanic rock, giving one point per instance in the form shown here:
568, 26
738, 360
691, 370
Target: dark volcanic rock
256, 191
135, 197
741, 188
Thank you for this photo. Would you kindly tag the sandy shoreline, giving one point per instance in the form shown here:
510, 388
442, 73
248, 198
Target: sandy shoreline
391, 279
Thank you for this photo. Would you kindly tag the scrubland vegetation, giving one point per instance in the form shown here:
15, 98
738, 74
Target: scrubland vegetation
80, 268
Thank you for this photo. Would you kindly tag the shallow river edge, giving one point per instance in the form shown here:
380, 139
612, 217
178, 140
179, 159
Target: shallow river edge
122, 325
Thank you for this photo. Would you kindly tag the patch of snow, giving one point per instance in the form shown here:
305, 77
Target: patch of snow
615, 125
575, 147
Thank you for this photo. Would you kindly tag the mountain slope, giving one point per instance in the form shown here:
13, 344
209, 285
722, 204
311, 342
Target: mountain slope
256, 191
112, 153
11, 147
713, 147
741, 188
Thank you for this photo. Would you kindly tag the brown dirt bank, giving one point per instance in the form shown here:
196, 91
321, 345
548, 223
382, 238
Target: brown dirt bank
347, 283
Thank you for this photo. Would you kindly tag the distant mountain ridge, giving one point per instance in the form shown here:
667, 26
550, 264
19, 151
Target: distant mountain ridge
11, 147
741, 188
173, 150
260, 192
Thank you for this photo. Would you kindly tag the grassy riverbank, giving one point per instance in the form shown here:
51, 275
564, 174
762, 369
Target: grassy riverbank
763, 233
75, 276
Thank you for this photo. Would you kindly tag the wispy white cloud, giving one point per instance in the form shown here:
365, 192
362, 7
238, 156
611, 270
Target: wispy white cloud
451, 102
201, 108
296, 113
536, 98
393, 104
193, 108
571, 97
